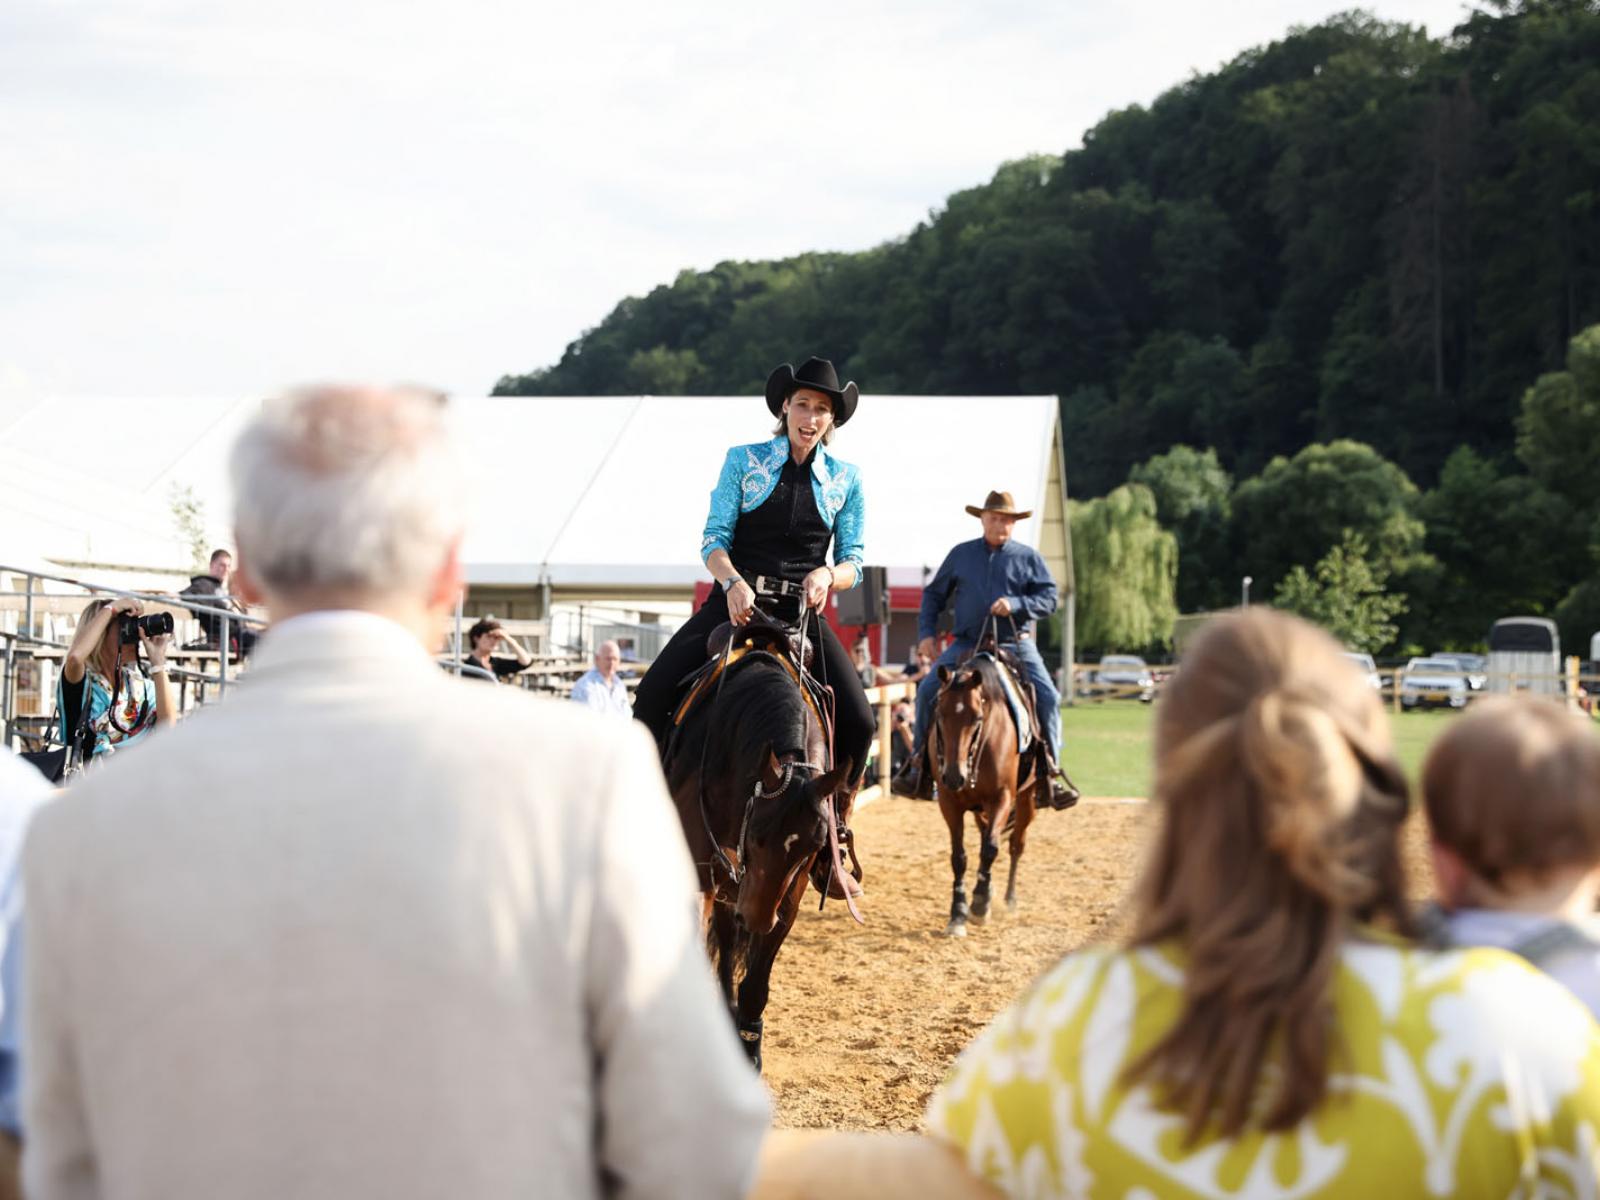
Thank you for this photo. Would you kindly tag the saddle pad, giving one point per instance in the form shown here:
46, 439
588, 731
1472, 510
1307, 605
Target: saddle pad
1019, 709
704, 684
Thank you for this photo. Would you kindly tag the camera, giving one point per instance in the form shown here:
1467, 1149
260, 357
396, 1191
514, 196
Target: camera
153, 625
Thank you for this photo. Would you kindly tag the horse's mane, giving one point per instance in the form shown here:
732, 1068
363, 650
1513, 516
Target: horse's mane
988, 674
760, 707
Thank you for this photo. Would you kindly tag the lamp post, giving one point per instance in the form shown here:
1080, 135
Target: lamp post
1244, 591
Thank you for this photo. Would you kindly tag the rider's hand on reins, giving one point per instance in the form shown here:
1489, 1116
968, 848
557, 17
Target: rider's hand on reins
741, 603
1001, 607
817, 585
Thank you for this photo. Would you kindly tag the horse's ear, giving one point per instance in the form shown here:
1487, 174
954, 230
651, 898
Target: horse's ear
771, 769
944, 673
830, 782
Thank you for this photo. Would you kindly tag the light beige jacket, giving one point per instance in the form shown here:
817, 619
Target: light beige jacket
366, 930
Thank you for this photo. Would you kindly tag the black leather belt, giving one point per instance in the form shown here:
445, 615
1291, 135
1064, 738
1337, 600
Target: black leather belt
772, 585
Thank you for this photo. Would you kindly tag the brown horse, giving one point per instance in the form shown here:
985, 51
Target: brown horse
974, 753
749, 775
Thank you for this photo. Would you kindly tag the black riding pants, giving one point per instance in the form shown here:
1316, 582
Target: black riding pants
854, 721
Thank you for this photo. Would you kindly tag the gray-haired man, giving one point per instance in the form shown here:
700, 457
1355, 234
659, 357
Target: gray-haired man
428, 939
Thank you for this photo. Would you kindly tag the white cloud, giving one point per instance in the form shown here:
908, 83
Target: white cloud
223, 197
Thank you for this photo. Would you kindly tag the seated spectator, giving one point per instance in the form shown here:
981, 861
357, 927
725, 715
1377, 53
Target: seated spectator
601, 687
1512, 791
411, 939
1262, 1033
484, 637
107, 696
904, 719
241, 638
918, 664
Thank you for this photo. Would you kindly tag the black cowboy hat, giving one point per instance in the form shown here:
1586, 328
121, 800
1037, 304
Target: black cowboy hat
818, 375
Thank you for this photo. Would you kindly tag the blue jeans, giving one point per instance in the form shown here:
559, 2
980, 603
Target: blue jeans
1045, 697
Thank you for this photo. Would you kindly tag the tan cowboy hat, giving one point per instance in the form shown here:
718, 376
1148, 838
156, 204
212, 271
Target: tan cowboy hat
1000, 502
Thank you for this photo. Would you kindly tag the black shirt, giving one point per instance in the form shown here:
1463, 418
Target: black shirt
500, 666
785, 535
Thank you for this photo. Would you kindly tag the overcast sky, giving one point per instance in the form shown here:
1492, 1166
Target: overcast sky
219, 197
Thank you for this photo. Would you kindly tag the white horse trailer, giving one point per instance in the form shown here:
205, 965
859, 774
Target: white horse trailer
1525, 656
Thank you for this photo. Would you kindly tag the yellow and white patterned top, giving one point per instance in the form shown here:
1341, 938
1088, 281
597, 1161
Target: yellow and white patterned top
1466, 1074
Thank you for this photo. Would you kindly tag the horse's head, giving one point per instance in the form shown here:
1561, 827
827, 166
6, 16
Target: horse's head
787, 826
958, 712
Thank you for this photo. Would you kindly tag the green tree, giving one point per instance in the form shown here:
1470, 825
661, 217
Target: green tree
189, 518
1299, 508
1558, 431
1193, 496
659, 371
1126, 569
1504, 546
1345, 594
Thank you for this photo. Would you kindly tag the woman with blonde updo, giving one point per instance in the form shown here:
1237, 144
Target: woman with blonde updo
1268, 1030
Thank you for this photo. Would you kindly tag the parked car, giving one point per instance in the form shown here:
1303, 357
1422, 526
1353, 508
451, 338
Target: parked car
1474, 666
1120, 674
1433, 681
1368, 668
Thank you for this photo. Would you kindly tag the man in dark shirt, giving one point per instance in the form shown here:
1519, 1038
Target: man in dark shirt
1002, 586
215, 583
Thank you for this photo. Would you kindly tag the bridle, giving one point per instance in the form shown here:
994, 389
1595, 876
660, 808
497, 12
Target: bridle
979, 735
736, 870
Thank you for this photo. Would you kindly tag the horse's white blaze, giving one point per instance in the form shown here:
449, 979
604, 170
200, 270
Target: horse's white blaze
789, 842
960, 707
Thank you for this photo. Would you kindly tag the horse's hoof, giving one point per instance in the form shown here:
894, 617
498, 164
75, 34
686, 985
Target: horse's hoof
978, 918
956, 929
1011, 906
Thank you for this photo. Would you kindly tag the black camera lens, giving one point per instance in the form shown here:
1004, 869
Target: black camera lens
154, 625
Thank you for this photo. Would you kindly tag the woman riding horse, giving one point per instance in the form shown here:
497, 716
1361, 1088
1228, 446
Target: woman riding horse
776, 507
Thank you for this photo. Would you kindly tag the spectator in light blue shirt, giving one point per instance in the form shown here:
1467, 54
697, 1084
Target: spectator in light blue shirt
999, 585
601, 688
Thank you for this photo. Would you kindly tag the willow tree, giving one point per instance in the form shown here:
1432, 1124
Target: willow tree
1126, 567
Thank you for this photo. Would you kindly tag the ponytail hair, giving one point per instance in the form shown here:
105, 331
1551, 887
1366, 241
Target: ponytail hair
1281, 807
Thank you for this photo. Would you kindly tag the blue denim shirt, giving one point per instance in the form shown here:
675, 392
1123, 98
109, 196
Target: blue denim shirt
980, 576
749, 473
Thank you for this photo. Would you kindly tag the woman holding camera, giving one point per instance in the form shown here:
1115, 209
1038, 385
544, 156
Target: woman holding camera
107, 697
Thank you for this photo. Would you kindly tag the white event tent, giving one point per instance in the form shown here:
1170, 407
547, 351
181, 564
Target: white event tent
585, 498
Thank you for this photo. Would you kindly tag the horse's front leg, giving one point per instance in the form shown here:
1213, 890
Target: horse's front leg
724, 931
1026, 807
759, 957
988, 851
955, 818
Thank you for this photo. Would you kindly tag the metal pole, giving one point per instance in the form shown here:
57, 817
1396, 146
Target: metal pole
1244, 592
7, 699
461, 600
222, 659
27, 609
1069, 648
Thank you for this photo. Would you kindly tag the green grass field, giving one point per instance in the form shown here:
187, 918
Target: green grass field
1108, 745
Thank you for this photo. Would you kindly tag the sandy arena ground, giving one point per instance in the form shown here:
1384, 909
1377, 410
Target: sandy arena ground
864, 1021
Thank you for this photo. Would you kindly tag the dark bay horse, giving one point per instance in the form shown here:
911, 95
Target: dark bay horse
748, 772
974, 754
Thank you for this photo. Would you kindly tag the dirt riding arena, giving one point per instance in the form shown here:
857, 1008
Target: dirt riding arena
864, 1022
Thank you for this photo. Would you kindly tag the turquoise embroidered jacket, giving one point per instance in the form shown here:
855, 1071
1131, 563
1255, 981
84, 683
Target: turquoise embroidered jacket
749, 473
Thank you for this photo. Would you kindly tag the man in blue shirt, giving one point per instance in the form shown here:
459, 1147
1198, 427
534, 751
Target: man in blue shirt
1002, 585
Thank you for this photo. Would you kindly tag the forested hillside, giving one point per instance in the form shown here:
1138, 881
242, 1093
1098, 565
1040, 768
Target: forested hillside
1354, 250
